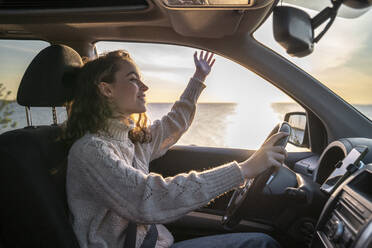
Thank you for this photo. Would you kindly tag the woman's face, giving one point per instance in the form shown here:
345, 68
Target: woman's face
127, 91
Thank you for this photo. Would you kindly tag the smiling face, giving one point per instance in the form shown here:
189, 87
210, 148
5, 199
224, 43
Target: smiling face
127, 92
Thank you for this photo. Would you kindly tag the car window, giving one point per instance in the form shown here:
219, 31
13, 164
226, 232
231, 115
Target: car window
16, 55
341, 60
237, 109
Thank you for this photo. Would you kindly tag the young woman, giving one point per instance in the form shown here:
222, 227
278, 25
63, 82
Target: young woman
108, 179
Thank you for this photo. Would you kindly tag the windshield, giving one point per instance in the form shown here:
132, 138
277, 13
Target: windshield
341, 60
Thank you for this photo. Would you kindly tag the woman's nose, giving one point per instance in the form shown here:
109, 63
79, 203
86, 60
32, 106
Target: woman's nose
144, 86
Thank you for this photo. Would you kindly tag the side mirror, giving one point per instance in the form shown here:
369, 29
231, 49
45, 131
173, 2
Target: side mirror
293, 30
299, 136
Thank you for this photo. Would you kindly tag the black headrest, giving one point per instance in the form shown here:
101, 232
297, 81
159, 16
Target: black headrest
49, 78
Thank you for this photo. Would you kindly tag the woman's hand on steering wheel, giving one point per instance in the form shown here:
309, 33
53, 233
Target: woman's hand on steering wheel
268, 155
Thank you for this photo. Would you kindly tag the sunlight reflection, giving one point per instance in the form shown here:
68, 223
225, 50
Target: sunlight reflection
250, 125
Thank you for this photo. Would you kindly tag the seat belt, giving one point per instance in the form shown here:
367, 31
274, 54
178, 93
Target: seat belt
149, 240
130, 237
151, 237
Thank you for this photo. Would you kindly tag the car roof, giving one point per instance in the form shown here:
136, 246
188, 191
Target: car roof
138, 21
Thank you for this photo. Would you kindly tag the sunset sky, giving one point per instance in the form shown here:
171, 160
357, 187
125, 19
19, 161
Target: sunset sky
341, 60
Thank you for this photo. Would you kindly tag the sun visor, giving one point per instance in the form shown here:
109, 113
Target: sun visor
215, 20
49, 78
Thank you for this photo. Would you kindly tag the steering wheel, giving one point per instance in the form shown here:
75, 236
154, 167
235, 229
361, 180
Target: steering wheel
257, 184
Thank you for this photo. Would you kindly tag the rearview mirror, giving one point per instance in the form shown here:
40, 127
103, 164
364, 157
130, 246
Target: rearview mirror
293, 30
298, 122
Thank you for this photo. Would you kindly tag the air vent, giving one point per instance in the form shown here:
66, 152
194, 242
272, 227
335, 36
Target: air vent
61, 4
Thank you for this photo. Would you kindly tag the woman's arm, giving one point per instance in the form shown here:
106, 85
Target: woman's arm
137, 196
167, 131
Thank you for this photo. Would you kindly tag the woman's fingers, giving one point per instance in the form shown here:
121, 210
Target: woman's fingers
279, 149
212, 62
279, 157
273, 139
206, 56
210, 58
275, 163
279, 153
196, 58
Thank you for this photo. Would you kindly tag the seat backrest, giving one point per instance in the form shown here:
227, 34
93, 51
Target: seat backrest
33, 209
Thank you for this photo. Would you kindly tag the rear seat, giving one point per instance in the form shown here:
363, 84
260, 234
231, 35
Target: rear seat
33, 209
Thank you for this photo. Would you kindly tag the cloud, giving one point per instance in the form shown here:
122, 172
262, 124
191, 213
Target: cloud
148, 67
17, 48
342, 58
23, 46
163, 89
342, 43
345, 38
151, 53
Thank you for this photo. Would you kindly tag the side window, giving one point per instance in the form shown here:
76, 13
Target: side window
16, 55
237, 109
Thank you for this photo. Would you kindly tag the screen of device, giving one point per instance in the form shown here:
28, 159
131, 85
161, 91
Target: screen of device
353, 157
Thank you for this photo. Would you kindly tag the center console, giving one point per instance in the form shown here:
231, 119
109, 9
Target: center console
346, 220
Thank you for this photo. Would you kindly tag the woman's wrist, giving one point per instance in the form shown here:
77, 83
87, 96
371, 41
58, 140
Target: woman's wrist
244, 168
200, 76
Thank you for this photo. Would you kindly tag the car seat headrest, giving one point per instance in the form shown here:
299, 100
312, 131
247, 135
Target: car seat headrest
49, 79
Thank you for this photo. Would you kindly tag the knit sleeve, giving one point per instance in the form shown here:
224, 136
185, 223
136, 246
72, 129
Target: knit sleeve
167, 131
148, 198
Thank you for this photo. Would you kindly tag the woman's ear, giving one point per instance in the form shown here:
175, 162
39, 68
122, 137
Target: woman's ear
105, 89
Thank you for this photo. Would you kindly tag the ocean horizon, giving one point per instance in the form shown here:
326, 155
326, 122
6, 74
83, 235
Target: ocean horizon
215, 124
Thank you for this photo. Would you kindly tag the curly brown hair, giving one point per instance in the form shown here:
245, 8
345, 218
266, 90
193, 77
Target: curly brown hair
90, 110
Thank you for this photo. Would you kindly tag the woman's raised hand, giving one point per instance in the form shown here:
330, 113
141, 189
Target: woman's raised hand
203, 64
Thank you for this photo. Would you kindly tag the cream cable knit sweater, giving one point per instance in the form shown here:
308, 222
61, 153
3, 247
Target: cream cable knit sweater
108, 180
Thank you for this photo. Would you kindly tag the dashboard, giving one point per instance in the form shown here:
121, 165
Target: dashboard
320, 167
346, 219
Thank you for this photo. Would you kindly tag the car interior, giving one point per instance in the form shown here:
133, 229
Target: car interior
321, 197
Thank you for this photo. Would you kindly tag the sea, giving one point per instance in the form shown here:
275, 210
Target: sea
215, 124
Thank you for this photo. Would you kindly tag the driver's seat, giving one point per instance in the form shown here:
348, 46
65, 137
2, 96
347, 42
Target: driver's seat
33, 209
